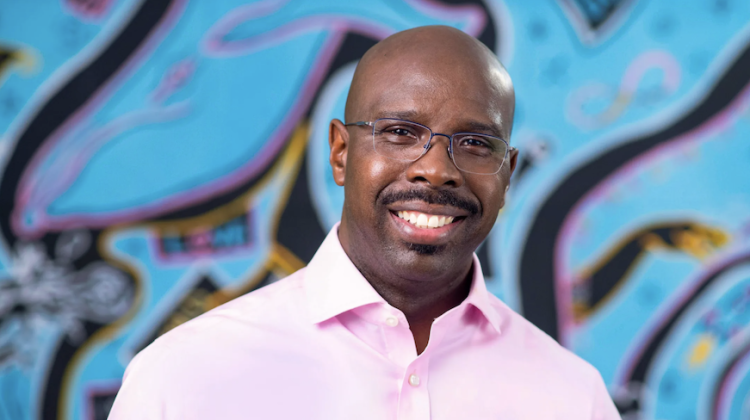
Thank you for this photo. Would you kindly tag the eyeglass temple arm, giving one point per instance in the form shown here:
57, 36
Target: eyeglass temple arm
360, 123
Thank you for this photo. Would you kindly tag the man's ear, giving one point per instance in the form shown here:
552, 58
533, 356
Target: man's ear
513, 159
338, 140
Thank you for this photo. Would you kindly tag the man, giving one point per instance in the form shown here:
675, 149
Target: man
391, 319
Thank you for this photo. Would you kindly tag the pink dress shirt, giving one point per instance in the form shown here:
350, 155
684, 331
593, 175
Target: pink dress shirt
322, 344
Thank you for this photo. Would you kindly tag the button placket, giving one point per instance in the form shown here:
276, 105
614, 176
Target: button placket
414, 399
398, 340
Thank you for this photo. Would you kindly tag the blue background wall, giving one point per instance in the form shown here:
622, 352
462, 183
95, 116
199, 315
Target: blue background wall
160, 157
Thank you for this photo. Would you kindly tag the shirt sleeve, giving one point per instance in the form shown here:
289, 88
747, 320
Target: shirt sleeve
139, 396
604, 407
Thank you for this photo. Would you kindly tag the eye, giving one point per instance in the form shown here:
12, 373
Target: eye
399, 132
475, 142
477, 145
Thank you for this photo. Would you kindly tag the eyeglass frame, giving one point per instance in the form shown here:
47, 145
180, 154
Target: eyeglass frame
427, 146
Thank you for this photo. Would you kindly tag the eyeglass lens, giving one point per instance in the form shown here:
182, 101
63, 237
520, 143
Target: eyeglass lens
405, 140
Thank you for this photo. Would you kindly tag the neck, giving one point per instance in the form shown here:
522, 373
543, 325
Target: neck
420, 300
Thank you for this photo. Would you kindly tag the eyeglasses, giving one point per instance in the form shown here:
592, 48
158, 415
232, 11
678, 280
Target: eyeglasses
407, 141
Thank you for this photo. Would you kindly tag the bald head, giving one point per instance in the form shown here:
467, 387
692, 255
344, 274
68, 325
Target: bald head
441, 60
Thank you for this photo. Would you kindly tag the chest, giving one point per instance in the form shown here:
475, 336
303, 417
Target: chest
347, 380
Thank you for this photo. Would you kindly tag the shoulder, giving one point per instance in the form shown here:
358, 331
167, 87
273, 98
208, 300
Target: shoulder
261, 320
555, 374
234, 347
541, 349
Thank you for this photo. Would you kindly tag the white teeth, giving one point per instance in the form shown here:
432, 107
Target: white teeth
423, 221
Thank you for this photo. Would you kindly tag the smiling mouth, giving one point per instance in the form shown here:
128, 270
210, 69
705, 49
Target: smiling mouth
424, 220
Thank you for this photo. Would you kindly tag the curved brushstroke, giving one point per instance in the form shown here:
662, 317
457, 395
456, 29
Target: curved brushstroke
543, 293
82, 91
638, 367
723, 390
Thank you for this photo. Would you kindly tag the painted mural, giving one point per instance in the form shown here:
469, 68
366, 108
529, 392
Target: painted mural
160, 157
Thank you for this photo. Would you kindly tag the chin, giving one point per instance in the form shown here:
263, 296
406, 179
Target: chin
424, 262
425, 249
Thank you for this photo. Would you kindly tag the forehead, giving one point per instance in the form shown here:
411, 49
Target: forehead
441, 93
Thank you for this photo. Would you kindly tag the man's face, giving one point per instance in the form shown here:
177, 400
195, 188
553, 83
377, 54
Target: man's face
378, 190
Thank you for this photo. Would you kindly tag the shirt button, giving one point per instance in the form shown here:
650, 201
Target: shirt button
391, 321
413, 380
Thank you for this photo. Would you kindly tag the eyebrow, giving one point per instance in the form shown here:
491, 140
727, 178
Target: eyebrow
401, 115
482, 128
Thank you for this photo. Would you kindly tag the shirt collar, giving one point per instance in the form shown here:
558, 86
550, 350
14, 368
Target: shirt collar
480, 298
334, 285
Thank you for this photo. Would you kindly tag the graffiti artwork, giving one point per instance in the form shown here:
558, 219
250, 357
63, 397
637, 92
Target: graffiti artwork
161, 157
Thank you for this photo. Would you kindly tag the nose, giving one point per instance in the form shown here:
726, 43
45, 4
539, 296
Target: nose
435, 167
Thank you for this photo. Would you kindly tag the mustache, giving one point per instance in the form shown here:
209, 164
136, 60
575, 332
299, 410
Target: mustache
439, 197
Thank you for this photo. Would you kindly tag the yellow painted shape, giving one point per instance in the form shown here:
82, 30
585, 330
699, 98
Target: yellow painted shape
701, 351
